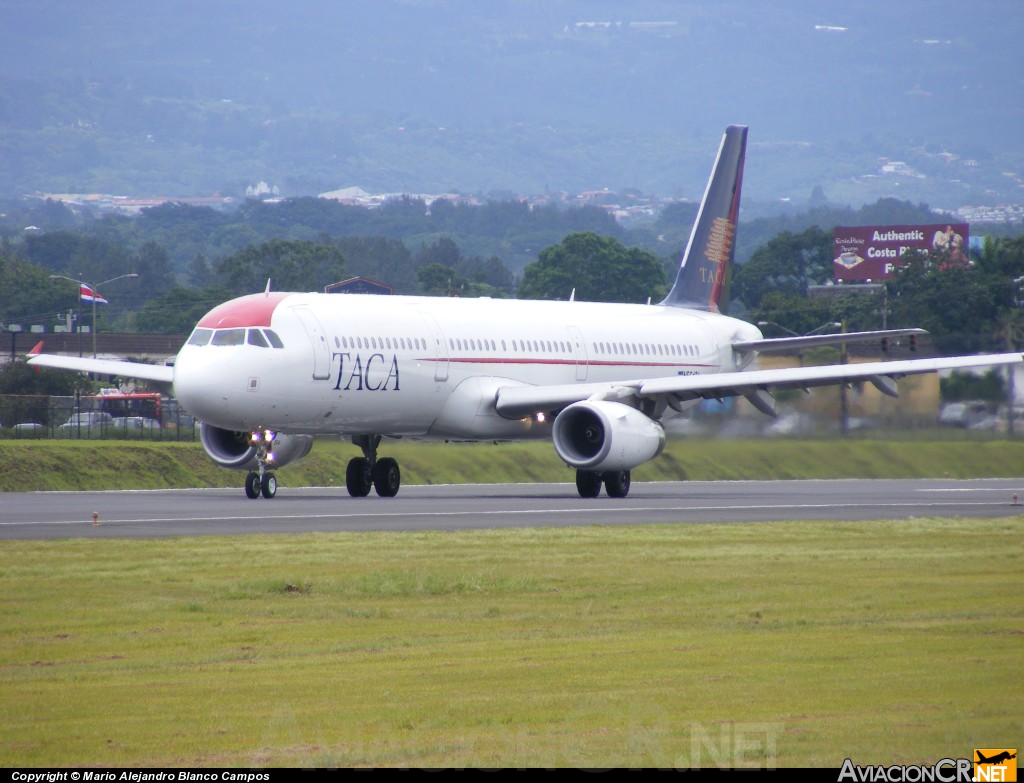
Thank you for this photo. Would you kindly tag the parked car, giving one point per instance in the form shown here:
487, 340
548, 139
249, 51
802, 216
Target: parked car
29, 429
964, 414
138, 423
91, 424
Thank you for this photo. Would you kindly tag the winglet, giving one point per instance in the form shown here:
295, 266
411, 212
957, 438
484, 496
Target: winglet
38, 349
703, 273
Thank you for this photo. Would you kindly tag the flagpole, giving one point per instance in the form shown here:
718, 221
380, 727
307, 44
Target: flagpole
95, 293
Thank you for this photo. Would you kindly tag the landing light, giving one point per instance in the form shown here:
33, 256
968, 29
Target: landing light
540, 417
269, 435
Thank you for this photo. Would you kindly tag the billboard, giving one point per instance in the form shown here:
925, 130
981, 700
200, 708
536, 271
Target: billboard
863, 253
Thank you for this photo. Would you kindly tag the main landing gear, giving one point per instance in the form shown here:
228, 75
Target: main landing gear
616, 483
368, 471
261, 481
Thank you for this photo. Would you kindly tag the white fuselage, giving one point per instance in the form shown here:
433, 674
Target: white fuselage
429, 367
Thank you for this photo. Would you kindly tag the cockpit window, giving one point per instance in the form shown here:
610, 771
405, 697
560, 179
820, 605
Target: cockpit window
200, 337
274, 339
228, 337
256, 338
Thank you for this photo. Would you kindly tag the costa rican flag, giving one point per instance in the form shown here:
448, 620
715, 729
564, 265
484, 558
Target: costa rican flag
88, 295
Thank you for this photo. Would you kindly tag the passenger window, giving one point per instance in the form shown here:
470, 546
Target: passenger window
256, 338
271, 335
228, 337
200, 337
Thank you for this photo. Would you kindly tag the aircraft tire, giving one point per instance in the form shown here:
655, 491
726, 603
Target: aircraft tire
252, 486
616, 483
357, 477
588, 483
387, 478
268, 486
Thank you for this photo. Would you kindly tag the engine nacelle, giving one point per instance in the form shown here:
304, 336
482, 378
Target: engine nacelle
231, 449
602, 435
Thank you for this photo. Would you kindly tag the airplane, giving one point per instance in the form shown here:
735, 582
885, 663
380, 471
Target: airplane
266, 372
996, 759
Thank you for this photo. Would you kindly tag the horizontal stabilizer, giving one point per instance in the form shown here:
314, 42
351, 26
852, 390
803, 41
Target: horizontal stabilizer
813, 340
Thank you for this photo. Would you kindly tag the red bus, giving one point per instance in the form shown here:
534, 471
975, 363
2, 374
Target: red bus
120, 404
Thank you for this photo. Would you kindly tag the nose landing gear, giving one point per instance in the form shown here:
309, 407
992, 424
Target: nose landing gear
261, 481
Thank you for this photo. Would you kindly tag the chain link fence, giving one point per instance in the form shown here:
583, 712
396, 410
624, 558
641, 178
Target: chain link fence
92, 417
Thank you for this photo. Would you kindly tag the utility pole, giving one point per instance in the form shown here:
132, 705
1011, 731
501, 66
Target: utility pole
844, 389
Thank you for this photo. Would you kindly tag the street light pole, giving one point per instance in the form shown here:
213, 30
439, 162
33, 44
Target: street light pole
95, 293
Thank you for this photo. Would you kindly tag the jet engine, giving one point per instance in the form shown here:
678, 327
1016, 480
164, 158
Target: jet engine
600, 435
236, 450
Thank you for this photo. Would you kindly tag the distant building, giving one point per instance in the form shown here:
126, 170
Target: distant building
262, 190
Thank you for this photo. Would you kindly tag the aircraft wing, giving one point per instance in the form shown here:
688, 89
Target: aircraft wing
755, 385
150, 372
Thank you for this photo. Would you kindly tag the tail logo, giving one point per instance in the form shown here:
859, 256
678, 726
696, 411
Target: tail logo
720, 241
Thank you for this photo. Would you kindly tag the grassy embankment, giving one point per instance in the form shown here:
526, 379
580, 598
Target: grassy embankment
791, 644
64, 465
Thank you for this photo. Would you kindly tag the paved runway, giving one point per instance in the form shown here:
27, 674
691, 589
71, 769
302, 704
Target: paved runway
141, 514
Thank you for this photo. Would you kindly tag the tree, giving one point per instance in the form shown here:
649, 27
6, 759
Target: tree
178, 311
600, 269
289, 265
26, 391
28, 294
444, 251
788, 264
959, 305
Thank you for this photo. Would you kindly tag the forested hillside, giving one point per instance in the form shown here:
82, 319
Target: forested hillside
417, 96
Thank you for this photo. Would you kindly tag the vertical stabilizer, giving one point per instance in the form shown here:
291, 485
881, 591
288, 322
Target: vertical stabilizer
703, 273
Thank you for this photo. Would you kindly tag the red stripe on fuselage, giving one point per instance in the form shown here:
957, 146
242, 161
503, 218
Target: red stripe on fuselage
252, 310
564, 362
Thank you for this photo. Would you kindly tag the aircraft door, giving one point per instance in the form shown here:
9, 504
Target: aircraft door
579, 347
318, 338
438, 346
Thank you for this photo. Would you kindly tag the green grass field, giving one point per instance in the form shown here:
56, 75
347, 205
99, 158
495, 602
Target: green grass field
786, 644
